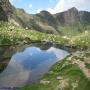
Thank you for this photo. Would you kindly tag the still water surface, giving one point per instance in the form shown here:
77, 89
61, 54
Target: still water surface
29, 65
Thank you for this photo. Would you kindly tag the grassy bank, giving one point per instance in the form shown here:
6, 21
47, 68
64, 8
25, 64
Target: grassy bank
10, 34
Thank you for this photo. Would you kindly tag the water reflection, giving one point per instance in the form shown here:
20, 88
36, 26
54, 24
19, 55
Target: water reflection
29, 65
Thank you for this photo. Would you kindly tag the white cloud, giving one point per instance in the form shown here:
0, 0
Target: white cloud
11, 1
60, 6
79, 3
63, 5
51, 10
59, 53
39, 10
30, 5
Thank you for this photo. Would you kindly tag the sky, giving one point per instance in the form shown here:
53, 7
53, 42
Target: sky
53, 6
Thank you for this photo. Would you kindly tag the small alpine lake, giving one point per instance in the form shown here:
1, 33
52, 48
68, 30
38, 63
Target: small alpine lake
27, 63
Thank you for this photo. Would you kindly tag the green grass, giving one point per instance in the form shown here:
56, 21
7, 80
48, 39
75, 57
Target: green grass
87, 65
82, 40
10, 34
68, 31
78, 36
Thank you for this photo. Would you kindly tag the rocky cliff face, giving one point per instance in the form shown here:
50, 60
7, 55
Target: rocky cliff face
70, 17
6, 10
73, 17
3, 16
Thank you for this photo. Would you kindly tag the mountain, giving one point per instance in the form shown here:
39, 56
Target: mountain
84, 17
43, 21
73, 17
70, 17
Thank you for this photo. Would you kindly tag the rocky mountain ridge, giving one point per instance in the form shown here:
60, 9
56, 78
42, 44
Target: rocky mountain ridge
43, 21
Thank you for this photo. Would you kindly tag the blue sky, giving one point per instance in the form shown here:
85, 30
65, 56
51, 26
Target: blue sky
53, 6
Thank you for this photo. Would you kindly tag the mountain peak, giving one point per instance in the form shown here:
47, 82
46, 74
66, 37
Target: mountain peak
69, 17
73, 9
44, 12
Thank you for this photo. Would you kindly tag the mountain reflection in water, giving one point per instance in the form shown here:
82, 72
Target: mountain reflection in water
29, 65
